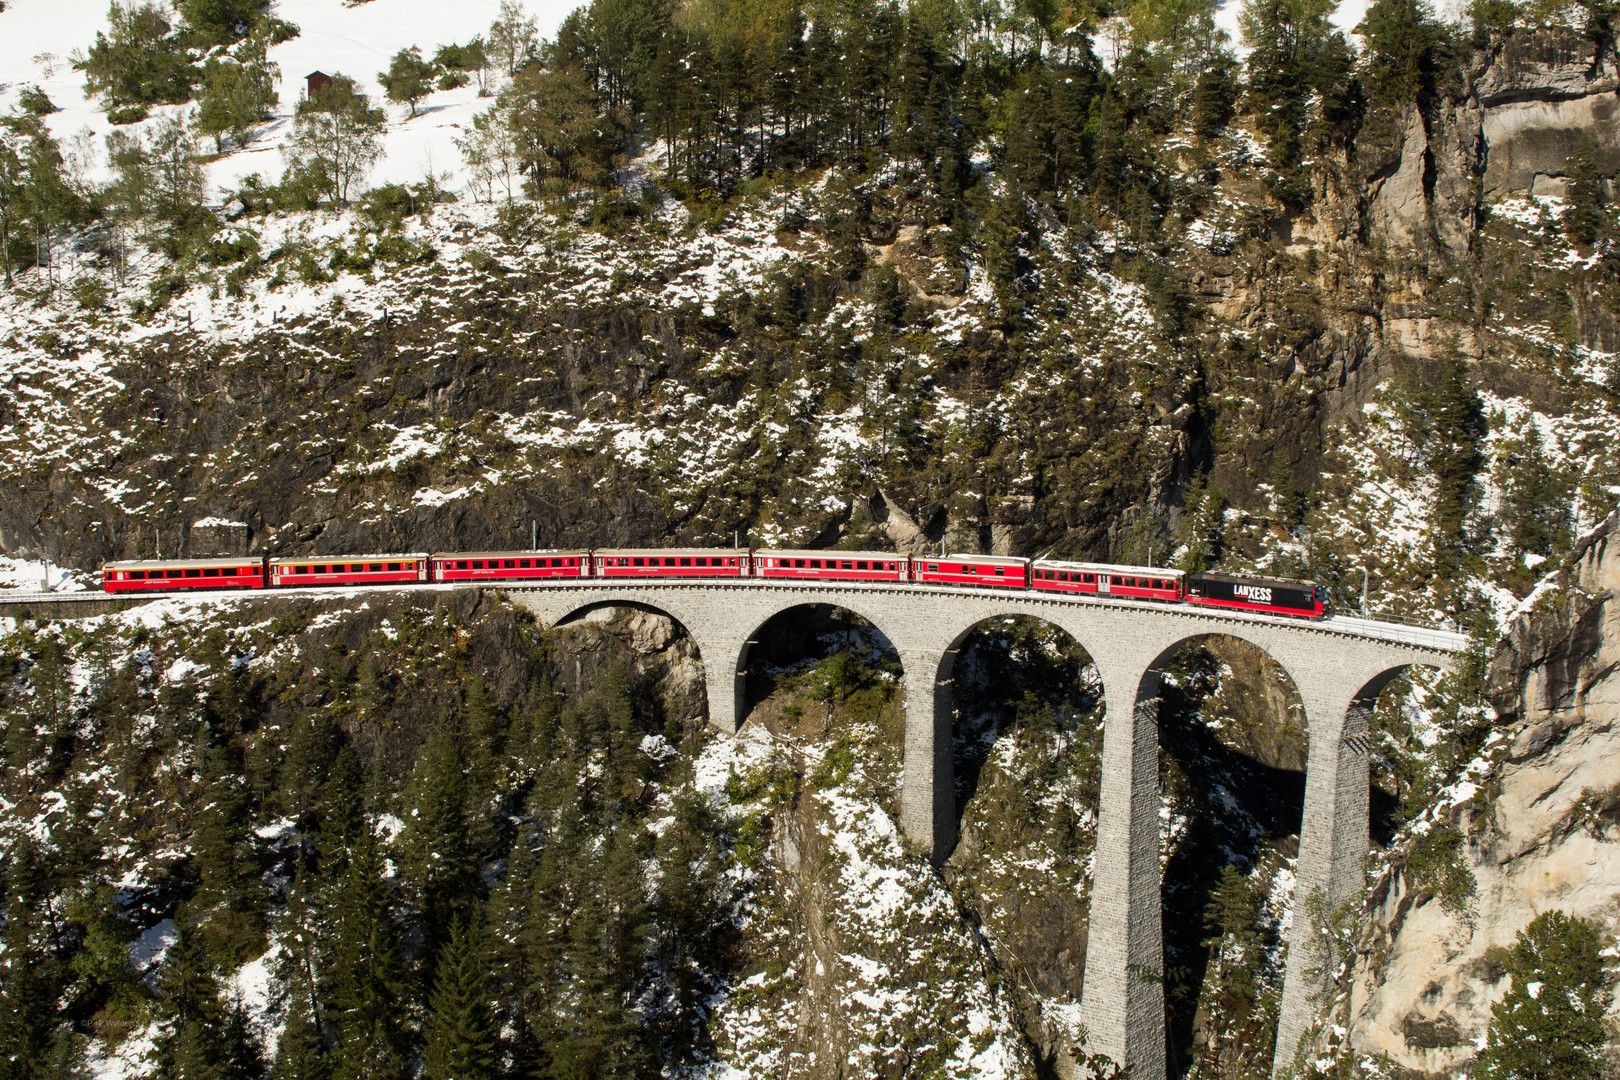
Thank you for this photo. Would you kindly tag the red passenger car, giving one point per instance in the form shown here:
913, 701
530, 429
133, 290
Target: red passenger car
1101, 579
311, 570
154, 576
979, 570
511, 565
676, 563
832, 565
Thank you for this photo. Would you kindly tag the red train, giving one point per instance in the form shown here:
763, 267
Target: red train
1142, 583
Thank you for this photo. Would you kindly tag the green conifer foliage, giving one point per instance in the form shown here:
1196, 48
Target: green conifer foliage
138, 62
229, 904
1587, 216
301, 1051
200, 1037
458, 1037
28, 971
1550, 1024
368, 983
1403, 40
440, 850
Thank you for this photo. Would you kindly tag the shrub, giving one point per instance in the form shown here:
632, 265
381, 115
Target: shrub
34, 100
89, 293
1437, 863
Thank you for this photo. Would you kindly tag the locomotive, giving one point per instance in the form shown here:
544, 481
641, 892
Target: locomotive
1271, 596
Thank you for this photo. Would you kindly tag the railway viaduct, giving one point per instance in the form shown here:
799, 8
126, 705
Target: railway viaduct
1338, 667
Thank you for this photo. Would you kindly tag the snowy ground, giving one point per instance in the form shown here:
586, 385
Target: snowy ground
38, 37
28, 575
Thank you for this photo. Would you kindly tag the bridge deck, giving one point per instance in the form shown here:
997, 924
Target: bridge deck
1445, 641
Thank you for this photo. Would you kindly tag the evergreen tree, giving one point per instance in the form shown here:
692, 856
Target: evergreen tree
193, 1043
1536, 497
1290, 40
301, 1051
1403, 40
409, 78
222, 22
138, 62
1550, 1024
459, 1036
228, 906
367, 983
440, 848
1215, 95
28, 975
1586, 215
1455, 457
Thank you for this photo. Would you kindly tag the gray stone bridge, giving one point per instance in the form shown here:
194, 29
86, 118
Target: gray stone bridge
1338, 667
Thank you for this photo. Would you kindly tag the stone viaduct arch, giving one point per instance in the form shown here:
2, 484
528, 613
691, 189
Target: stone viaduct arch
1337, 670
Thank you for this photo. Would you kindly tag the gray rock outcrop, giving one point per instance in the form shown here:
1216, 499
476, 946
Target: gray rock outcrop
1538, 829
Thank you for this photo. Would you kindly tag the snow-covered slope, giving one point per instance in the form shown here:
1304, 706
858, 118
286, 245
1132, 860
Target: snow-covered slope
38, 37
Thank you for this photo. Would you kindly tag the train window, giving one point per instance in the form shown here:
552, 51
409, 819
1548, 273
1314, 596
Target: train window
376, 567
731, 562
798, 563
815, 564
1063, 575
1089, 579
461, 564
570, 562
509, 564
633, 562
523, 564
212, 571
193, 573
686, 561
320, 568
860, 564
1001, 571
137, 575
933, 568
393, 566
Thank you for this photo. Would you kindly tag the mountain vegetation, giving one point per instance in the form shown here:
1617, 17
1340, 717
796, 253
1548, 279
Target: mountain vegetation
1030, 278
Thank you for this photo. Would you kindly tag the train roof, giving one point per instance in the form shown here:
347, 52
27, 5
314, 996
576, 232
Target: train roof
829, 553
963, 556
578, 552
163, 564
1111, 568
669, 551
1255, 579
362, 557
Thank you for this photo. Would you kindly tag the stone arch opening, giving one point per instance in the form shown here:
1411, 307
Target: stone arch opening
1233, 748
1026, 703
666, 674
1027, 690
1389, 718
803, 664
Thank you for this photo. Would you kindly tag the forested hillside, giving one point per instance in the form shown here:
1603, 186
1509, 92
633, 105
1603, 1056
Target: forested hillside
1025, 278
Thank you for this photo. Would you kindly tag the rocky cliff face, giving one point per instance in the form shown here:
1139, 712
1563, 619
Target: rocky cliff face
1537, 816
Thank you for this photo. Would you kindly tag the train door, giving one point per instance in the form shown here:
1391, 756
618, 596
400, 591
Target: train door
1102, 584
